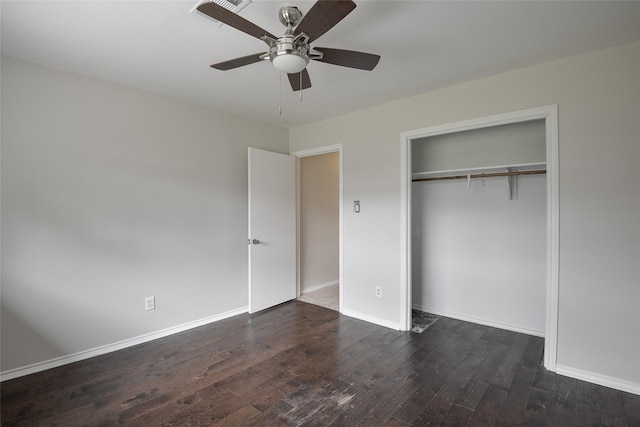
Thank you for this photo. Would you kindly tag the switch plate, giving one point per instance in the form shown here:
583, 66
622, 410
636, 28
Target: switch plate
150, 303
356, 206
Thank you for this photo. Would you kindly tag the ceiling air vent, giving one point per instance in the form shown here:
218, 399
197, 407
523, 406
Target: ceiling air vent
228, 4
234, 6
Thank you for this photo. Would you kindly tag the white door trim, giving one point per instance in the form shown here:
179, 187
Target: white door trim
314, 152
550, 116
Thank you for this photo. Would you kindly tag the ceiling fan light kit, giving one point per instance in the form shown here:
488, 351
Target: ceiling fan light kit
291, 52
289, 62
288, 53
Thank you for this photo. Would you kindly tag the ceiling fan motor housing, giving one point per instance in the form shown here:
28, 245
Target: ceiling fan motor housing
290, 54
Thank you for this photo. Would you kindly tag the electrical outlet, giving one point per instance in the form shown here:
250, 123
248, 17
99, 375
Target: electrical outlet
378, 291
150, 303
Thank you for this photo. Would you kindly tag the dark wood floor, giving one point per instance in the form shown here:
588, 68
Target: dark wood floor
302, 364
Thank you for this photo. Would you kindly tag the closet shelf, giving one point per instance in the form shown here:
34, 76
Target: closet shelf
511, 172
482, 172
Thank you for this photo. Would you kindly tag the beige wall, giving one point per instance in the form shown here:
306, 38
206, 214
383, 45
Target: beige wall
598, 96
110, 195
319, 221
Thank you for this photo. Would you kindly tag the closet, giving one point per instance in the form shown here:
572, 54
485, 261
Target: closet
479, 226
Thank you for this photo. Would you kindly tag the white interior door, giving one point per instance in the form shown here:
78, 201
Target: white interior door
272, 229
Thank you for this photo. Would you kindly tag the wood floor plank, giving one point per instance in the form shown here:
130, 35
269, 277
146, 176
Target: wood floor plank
537, 413
271, 395
545, 380
376, 401
507, 369
434, 401
474, 389
562, 406
459, 416
242, 416
513, 410
380, 404
444, 401
631, 408
321, 405
488, 411
588, 403
299, 364
612, 404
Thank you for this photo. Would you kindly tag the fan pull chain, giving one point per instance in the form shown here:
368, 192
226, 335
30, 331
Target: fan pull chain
300, 86
280, 92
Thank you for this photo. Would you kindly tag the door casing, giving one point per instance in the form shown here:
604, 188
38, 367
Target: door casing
314, 152
550, 116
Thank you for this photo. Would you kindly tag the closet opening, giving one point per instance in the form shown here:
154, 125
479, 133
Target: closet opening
480, 200
478, 226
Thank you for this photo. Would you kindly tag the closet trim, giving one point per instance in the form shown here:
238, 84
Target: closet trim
550, 115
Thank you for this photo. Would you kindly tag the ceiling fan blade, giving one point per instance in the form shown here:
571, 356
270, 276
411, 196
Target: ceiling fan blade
225, 16
348, 58
322, 16
238, 62
294, 79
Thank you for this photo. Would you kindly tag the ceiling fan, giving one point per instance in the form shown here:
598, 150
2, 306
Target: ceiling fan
291, 52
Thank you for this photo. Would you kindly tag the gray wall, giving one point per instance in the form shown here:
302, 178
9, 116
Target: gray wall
515, 143
479, 256
598, 96
110, 195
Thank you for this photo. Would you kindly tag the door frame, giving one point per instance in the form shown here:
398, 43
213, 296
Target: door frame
314, 152
550, 115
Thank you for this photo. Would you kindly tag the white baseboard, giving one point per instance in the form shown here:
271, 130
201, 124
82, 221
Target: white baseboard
603, 380
320, 286
372, 319
480, 321
120, 345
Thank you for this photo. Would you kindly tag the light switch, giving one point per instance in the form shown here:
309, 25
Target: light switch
356, 206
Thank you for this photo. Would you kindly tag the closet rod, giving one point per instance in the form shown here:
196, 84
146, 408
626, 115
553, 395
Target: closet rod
482, 175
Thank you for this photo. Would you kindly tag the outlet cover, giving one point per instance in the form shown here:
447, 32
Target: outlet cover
150, 303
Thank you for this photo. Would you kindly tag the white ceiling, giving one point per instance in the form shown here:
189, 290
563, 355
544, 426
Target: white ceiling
158, 46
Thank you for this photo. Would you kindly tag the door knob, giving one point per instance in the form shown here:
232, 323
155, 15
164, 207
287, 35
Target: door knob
255, 242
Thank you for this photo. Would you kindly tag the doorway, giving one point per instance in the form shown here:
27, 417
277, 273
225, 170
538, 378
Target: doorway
319, 222
549, 115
